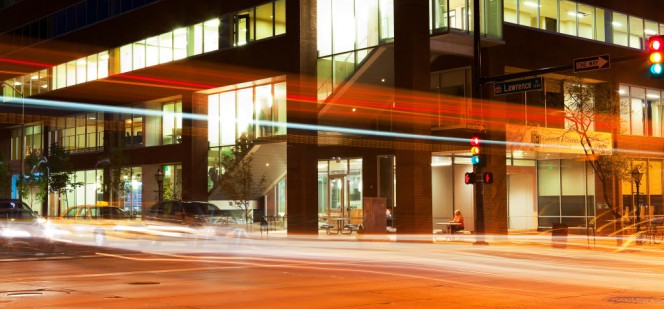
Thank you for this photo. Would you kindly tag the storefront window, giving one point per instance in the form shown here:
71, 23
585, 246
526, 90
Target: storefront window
90, 190
548, 174
655, 187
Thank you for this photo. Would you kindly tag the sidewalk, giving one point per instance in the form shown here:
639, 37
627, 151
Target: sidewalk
542, 239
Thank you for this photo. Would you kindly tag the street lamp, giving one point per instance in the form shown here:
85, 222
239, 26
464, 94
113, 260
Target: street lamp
636, 176
22, 128
159, 177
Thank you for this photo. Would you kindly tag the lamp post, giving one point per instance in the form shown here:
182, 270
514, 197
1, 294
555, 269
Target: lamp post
159, 177
636, 175
22, 129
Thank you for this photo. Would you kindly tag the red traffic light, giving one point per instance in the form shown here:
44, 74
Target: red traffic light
475, 141
656, 43
488, 177
469, 178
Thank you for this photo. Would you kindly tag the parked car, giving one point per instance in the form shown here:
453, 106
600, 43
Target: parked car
21, 227
193, 219
97, 223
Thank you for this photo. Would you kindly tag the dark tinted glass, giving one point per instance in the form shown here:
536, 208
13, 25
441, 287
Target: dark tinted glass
15, 210
201, 209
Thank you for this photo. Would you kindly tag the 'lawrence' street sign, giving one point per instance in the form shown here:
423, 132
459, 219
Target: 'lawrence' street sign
523, 85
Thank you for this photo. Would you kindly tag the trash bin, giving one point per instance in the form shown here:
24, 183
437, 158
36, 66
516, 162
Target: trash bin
559, 235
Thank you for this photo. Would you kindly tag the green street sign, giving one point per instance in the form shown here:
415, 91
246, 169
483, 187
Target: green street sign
516, 86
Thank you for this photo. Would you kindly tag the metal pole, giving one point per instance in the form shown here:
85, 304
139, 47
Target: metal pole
477, 95
22, 169
637, 221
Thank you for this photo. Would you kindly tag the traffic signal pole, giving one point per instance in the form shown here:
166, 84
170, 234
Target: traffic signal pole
477, 96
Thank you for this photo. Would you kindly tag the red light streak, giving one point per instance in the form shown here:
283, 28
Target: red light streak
36, 64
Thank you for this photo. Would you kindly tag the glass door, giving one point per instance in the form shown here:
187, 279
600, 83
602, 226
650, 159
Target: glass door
336, 209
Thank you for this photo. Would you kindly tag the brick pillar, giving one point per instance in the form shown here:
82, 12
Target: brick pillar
302, 174
194, 141
413, 214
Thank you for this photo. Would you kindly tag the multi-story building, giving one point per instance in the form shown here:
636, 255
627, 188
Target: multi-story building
340, 102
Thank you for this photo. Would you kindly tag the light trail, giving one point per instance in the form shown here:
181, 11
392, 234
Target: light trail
62, 105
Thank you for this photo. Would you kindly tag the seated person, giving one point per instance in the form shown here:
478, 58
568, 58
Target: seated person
458, 218
388, 216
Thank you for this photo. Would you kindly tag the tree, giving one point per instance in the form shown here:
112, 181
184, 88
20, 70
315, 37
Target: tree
32, 186
115, 186
52, 174
5, 177
237, 181
588, 107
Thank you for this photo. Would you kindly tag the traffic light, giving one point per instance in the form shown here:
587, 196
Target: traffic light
488, 177
477, 159
656, 55
469, 178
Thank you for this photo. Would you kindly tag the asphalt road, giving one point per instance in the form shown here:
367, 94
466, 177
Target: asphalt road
303, 273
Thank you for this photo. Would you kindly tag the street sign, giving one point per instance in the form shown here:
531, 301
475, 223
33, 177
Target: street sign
523, 85
592, 63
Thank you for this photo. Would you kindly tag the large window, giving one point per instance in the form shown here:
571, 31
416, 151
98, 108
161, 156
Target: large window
79, 71
347, 30
578, 19
34, 141
252, 112
566, 190
89, 193
173, 45
172, 123
258, 23
83, 132
640, 111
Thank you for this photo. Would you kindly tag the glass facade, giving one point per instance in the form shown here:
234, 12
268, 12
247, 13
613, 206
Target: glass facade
33, 137
347, 32
69, 19
83, 132
581, 20
257, 23
171, 128
458, 15
566, 193
251, 112
650, 189
90, 190
640, 111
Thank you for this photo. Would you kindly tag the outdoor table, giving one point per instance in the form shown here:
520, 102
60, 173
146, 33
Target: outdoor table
448, 225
